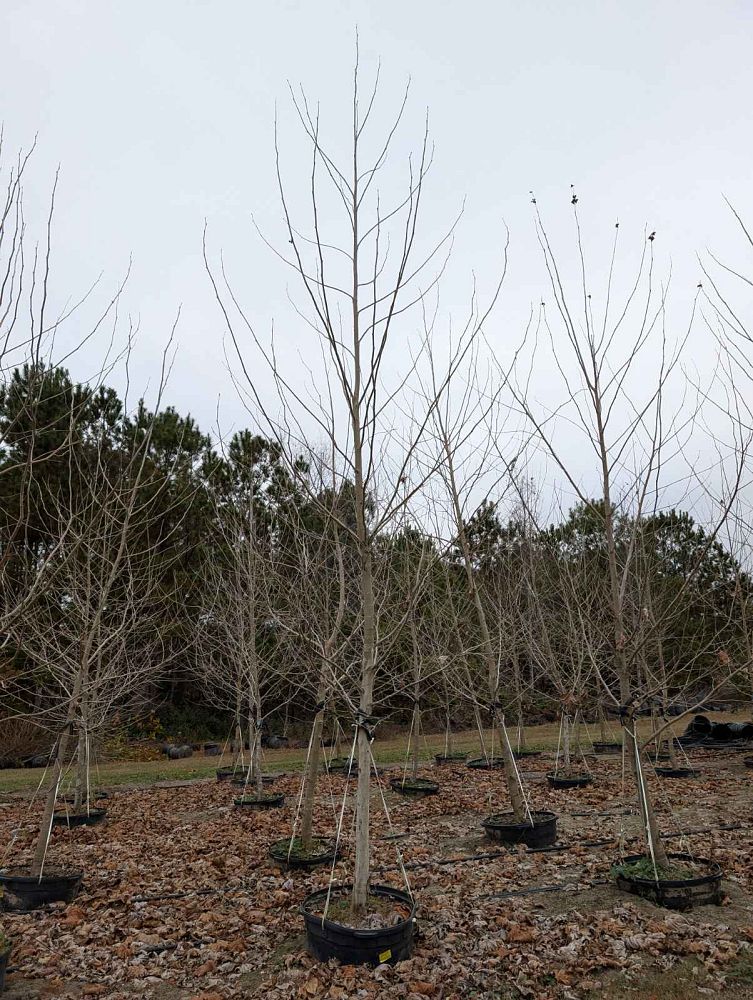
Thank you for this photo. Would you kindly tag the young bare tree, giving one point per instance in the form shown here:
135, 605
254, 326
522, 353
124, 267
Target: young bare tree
93, 629
37, 415
465, 432
237, 639
616, 368
361, 271
311, 609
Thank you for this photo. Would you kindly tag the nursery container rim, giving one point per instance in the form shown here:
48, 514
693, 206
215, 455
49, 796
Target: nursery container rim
714, 871
362, 933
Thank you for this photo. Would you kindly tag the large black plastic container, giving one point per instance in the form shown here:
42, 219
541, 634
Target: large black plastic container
676, 894
241, 779
522, 754
324, 854
342, 765
91, 818
607, 748
417, 788
265, 802
4, 956
676, 772
504, 828
748, 761
450, 758
327, 939
568, 781
275, 741
225, 773
96, 796
486, 763
22, 892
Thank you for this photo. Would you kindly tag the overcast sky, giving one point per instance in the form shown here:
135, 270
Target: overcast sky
161, 116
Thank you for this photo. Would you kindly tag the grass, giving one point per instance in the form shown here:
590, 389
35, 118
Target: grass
741, 970
388, 751
297, 851
644, 869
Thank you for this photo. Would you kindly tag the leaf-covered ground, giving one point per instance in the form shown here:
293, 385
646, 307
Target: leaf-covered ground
180, 898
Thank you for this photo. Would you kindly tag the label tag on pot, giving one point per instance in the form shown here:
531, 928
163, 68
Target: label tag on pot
385, 956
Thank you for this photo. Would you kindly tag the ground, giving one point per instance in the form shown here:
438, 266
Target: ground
181, 902
389, 751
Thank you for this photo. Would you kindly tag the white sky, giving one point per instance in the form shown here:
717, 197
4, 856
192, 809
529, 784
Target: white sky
161, 116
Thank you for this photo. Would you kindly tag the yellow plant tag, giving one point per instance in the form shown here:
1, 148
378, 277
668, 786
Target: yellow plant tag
385, 956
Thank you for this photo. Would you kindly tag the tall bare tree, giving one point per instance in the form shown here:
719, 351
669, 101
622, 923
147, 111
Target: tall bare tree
361, 271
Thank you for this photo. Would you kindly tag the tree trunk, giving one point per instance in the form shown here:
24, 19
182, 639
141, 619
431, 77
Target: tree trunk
361, 878
566, 743
416, 697
518, 701
416, 732
311, 776
257, 752
576, 741
653, 837
45, 827
80, 795
236, 747
511, 775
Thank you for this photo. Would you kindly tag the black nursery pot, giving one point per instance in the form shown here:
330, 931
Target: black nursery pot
324, 853
417, 788
568, 781
96, 796
676, 772
748, 761
342, 765
504, 828
254, 802
486, 763
327, 939
450, 758
225, 773
266, 779
92, 818
522, 754
21, 892
676, 894
608, 748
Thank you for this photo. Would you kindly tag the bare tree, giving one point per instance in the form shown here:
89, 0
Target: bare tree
92, 629
616, 366
359, 282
